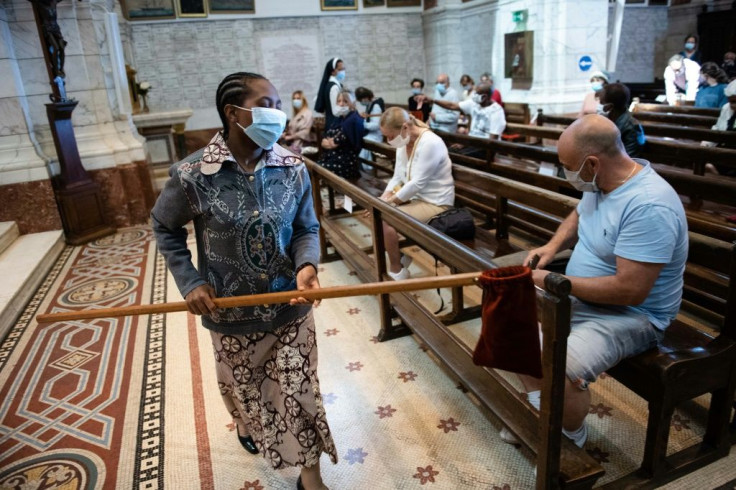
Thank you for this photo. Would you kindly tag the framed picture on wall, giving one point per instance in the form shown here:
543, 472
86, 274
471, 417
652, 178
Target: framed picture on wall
519, 59
232, 6
148, 9
339, 4
430, 4
404, 3
373, 3
191, 8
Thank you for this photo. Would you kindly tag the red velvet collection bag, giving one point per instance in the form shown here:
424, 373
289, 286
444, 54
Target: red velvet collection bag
509, 337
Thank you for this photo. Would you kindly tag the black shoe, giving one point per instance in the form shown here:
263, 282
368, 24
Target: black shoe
248, 444
299, 485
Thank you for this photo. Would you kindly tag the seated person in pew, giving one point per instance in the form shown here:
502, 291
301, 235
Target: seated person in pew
299, 130
371, 110
487, 119
614, 104
344, 139
726, 122
422, 185
630, 236
598, 80
418, 109
681, 79
711, 92
440, 118
487, 78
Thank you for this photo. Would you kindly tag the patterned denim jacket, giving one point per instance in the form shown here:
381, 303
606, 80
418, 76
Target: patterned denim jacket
252, 230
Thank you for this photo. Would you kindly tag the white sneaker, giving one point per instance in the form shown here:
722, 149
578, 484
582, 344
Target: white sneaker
508, 437
406, 261
401, 275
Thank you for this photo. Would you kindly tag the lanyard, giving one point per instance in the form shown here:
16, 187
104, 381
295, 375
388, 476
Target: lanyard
411, 157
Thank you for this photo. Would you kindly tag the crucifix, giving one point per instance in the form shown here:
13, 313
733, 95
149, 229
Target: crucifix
78, 197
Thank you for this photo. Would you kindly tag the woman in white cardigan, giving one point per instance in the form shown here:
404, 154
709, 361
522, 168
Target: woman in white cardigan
422, 185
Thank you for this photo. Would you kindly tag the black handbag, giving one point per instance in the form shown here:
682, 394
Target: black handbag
456, 223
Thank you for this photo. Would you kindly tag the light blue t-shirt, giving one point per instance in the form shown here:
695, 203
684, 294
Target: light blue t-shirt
642, 220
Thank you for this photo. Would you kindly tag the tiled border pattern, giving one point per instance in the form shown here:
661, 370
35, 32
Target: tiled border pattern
149, 460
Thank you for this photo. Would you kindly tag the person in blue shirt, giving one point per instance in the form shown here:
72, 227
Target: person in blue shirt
711, 92
630, 236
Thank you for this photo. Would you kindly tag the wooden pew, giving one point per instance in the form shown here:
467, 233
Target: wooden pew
647, 92
560, 463
721, 191
670, 109
539, 215
669, 152
517, 113
686, 354
689, 363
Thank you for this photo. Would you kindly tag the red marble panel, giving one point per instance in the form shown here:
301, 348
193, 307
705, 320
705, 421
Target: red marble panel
134, 188
113, 195
31, 205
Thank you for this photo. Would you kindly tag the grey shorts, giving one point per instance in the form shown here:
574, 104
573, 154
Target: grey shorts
600, 337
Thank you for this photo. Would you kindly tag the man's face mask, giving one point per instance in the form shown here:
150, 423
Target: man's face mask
441, 88
603, 109
267, 126
574, 178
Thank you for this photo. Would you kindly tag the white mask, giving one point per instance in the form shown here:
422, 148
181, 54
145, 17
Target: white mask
342, 110
577, 182
267, 126
399, 141
297, 103
477, 98
600, 110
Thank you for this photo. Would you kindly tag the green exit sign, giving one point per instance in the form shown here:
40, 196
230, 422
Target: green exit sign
520, 15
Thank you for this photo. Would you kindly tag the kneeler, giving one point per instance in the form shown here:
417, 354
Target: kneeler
509, 337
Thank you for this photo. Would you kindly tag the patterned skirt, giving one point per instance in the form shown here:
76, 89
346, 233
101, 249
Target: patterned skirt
269, 383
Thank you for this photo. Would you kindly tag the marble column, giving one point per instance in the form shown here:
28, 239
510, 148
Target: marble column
469, 38
109, 146
24, 176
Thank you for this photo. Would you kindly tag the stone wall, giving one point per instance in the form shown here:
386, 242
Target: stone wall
185, 61
641, 52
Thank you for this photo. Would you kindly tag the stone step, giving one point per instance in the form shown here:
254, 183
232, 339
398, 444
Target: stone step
23, 267
8, 233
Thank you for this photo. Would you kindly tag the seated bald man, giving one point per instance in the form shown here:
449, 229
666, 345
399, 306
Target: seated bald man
630, 237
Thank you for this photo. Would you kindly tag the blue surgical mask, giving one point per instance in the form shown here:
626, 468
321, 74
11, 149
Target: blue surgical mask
267, 126
689, 46
441, 88
297, 103
577, 182
340, 75
468, 86
596, 86
416, 91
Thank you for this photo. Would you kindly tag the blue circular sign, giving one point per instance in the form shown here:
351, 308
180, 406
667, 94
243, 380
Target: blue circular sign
585, 63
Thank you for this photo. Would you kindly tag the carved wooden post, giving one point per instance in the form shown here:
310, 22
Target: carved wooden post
77, 196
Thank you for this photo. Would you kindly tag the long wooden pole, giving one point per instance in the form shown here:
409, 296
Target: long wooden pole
367, 289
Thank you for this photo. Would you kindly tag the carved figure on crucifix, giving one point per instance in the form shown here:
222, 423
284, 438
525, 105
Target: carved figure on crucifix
54, 41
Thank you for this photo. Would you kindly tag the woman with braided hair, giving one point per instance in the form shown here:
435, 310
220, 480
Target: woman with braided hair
251, 203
